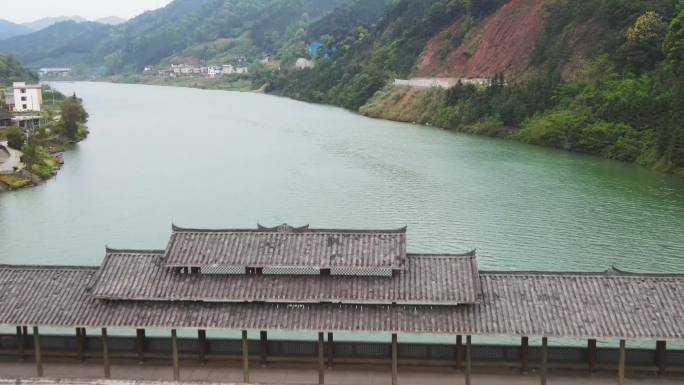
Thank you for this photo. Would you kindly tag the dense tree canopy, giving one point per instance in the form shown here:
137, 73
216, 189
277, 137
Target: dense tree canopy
73, 115
12, 71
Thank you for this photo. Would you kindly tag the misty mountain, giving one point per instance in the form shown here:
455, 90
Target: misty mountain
64, 43
43, 23
200, 30
9, 29
111, 20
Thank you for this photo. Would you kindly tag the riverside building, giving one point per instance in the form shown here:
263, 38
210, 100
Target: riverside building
327, 281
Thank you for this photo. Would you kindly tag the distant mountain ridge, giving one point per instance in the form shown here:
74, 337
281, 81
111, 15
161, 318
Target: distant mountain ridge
10, 29
45, 22
186, 30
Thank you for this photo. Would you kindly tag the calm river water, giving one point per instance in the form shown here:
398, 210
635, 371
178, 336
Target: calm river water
215, 159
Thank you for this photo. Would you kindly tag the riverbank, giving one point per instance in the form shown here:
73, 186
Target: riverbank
35, 154
225, 83
429, 106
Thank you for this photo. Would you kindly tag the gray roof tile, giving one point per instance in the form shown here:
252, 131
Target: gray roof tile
631, 306
286, 246
428, 279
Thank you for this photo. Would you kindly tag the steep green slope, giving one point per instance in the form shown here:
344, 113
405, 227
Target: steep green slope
12, 71
606, 79
64, 43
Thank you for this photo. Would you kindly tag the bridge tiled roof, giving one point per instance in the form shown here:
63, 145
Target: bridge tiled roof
566, 305
287, 246
427, 280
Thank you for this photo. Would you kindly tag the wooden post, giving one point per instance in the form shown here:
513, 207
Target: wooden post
331, 350
524, 354
468, 364
105, 354
321, 360
459, 352
591, 355
245, 357
202, 338
661, 356
394, 360
83, 342
36, 349
263, 341
544, 359
79, 344
174, 356
621, 364
140, 344
20, 343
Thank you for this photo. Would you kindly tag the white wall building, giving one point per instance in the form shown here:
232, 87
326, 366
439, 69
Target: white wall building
27, 97
55, 71
303, 63
214, 71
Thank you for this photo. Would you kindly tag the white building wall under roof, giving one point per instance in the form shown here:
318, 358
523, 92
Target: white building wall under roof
27, 97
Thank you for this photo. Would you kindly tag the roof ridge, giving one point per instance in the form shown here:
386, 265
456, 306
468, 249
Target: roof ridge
47, 267
302, 229
110, 250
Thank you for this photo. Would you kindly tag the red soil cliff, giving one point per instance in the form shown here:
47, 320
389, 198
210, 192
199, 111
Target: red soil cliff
503, 42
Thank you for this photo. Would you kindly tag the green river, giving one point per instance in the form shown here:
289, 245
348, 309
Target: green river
216, 159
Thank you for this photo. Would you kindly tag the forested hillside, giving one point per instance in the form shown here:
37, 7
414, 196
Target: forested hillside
65, 43
595, 76
12, 71
186, 30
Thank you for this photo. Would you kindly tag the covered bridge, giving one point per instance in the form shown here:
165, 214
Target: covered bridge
325, 281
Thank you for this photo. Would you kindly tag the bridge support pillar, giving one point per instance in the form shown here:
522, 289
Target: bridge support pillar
544, 360
36, 350
321, 358
174, 356
524, 354
469, 359
105, 354
395, 353
245, 357
621, 363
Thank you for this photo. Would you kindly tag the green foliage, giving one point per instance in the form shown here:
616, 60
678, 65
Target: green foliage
12, 71
673, 45
371, 56
32, 154
72, 116
15, 137
644, 40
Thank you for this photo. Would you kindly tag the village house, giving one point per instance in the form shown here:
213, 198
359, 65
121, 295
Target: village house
26, 122
24, 98
303, 63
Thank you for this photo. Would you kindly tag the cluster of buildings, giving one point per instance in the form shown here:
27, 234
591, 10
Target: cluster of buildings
211, 71
20, 100
55, 72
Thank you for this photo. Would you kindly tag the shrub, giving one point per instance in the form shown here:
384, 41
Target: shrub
15, 137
